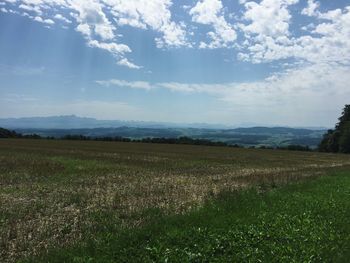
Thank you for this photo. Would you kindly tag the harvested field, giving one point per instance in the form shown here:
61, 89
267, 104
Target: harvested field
51, 191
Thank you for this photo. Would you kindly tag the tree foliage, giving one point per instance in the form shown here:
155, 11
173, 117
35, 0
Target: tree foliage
338, 140
4, 133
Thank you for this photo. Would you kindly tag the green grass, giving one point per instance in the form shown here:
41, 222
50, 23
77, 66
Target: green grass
302, 222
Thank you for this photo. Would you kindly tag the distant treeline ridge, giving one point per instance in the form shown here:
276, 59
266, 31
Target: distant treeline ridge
181, 140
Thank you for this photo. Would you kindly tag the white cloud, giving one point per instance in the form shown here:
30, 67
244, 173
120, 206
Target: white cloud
265, 26
127, 84
269, 18
305, 89
211, 12
115, 49
98, 21
90, 13
321, 79
62, 18
262, 34
266, 31
31, 8
44, 21
153, 14
127, 63
268, 38
84, 29
311, 8
144, 85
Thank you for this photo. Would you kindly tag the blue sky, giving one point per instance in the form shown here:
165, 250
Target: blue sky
270, 62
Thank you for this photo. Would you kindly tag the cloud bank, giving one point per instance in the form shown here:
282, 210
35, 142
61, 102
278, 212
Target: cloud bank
259, 31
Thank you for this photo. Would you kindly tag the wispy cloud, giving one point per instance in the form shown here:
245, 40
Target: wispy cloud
98, 20
305, 88
17, 98
88, 108
21, 70
127, 63
128, 84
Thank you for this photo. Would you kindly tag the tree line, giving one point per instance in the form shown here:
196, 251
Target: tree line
337, 140
4, 133
181, 140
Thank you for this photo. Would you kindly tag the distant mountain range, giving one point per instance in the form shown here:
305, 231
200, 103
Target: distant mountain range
75, 122
60, 126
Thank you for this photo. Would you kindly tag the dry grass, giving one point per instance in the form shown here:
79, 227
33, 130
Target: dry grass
50, 189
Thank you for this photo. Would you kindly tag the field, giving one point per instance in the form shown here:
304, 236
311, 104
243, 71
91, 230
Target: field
57, 195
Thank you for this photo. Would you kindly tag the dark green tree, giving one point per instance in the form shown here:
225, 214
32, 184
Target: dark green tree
344, 139
4, 133
338, 140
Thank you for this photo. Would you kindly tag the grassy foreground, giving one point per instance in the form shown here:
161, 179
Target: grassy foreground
59, 194
304, 222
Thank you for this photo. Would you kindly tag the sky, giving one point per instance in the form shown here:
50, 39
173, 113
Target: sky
233, 62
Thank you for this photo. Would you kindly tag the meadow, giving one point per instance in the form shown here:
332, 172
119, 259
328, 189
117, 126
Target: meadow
81, 200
